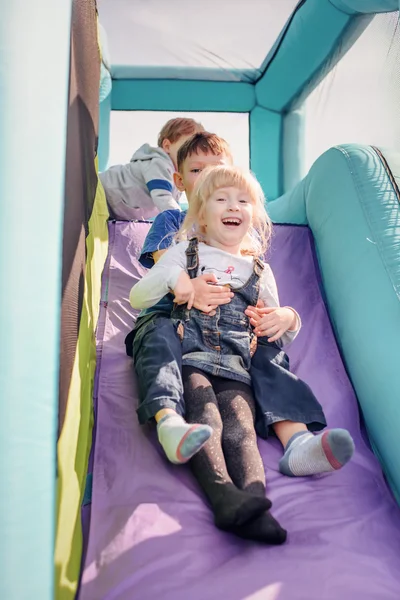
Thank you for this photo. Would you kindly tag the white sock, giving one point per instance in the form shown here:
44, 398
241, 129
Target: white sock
181, 440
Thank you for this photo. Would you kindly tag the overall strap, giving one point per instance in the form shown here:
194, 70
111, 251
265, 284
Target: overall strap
258, 266
192, 258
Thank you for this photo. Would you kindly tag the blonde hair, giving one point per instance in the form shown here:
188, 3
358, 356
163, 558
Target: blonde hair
214, 178
174, 129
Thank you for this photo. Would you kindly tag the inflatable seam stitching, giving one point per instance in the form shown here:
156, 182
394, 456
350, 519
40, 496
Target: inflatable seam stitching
377, 240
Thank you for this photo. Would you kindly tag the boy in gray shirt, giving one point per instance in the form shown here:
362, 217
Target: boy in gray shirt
145, 186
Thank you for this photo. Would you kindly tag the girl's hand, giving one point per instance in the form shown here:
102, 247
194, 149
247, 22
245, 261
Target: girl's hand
272, 321
184, 290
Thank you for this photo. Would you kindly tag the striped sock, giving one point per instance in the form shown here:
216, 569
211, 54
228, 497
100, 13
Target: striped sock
179, 439
308, 454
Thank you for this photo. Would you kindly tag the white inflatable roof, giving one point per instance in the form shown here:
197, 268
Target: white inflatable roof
222, 35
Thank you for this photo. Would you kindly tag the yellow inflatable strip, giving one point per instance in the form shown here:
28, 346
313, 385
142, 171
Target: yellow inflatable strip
76, 437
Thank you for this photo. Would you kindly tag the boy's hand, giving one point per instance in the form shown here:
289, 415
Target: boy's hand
271, 321
184, 290
208, 297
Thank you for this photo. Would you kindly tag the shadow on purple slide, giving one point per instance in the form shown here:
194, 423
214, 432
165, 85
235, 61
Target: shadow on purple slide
151, 533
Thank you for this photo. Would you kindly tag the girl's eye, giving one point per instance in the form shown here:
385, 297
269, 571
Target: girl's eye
243, 201
221, 199
196, 171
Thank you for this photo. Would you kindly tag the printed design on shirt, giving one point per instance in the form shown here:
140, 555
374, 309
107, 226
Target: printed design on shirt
222, 276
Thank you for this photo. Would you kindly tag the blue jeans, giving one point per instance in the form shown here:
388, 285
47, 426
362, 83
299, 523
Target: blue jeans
279, 394
157, 351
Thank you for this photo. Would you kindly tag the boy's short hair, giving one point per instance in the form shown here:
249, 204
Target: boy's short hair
208, 143
176, 128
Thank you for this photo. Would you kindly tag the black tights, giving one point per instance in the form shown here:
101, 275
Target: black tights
229, 468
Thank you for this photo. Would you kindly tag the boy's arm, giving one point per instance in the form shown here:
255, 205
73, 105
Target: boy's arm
160, 236
158, 175
160, 280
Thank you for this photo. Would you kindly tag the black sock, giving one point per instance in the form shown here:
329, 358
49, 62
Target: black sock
234, 508
264, 529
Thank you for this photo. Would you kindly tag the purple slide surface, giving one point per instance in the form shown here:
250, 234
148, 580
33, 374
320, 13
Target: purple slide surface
151, 533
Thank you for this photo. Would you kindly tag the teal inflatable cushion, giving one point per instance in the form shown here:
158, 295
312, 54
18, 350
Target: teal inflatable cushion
351, 202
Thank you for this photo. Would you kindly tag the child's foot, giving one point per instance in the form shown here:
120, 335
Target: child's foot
308, 454
237, 507
181, 440
264, 529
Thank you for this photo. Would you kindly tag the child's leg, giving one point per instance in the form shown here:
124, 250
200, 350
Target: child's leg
230, 505
287, 403
280, 395
308, 454
243, 459
157, 352
239, 439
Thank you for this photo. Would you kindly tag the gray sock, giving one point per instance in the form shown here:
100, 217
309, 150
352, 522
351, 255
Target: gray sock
308, 454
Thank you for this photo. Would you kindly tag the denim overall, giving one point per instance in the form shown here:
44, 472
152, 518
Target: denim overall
222, 344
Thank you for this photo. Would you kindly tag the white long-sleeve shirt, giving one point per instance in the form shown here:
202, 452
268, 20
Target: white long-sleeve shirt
228, 269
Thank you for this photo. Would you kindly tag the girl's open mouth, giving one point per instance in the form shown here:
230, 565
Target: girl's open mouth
232, 221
